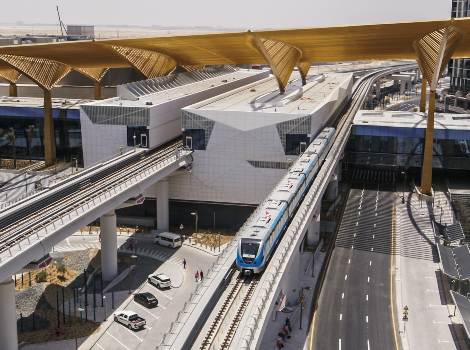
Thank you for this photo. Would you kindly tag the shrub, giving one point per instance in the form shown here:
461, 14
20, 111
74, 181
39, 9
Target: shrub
61, 267
41, 276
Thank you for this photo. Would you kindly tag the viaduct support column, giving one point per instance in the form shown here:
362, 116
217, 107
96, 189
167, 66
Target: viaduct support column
163, 211
313, 235
109, 248
8, 332
332, 189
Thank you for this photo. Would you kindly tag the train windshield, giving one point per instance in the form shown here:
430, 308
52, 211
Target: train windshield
249, 247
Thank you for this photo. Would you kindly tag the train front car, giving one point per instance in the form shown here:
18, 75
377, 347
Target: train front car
250, 257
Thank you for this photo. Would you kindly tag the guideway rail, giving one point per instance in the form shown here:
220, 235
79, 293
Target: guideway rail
250, 334
191, 319
31, 221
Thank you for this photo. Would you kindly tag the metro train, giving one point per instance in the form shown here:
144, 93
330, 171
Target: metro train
261, 234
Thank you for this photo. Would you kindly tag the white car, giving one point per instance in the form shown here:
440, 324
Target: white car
160, 280
130, 319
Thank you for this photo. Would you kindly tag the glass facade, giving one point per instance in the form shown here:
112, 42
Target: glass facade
403, 147
21, 133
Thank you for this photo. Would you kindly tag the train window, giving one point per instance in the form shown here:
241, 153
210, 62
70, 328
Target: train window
249, 247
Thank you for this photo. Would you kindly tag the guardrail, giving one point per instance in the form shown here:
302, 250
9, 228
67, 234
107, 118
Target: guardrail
99, 197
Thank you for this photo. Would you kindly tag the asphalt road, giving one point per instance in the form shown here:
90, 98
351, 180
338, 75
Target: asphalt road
355, 304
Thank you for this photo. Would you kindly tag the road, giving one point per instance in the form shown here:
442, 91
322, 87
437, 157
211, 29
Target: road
355, 303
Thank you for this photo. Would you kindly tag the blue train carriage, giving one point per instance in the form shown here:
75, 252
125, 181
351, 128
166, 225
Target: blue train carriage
260, 238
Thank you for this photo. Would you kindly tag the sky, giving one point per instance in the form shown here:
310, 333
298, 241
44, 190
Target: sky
242, 14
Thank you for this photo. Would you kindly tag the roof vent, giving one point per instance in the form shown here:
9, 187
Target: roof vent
224, 81
148, 103
253, 90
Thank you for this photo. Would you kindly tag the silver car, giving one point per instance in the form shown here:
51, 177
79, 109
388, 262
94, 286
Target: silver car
160, 280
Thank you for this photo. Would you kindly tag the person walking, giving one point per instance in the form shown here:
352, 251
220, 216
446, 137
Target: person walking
197, 276
289, 327
184, 263
201, 274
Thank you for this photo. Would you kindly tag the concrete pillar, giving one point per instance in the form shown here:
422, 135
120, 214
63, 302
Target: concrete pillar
8, 333
332, 189
163, 211
109, 248
313, 235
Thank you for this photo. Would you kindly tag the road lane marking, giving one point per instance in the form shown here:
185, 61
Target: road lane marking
340, 317
116, 339
357, 223
147, 311
349, 261
345, 277
163, 294
373, 236
98, 344
339, 343
352, 247
354, 235
367, 319
342, 295
367, 297
372, 249
368, 279
370, 262
368, 345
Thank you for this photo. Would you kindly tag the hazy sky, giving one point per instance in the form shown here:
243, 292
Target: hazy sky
235, 13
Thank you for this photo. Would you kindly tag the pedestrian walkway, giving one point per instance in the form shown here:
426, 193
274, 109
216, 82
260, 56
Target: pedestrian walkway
431, 324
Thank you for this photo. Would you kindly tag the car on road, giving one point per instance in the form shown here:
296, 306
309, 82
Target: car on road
146, 299
160, 280
130, 319
168, 239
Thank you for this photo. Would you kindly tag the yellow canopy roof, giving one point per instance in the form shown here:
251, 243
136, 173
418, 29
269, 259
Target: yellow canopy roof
342, 43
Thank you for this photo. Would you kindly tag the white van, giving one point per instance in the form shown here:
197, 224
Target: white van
168, 239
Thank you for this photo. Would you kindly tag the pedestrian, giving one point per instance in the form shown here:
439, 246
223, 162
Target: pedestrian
202, 275
279, 343
184, 263
286, 331
288, 324
197, 276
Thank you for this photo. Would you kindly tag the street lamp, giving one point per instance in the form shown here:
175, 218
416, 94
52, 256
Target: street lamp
196, 217
181, 231
104, 305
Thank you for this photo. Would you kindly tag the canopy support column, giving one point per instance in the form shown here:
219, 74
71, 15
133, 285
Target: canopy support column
433, 51
422, 101
281, 57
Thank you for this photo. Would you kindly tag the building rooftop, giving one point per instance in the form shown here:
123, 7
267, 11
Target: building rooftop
418, 120
165, 92
38, 102
264, 96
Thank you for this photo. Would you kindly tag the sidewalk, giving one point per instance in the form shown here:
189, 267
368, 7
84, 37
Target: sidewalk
419, 285
300, 325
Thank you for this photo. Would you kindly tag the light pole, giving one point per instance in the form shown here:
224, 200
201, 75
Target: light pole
104, 305
181, 231
196, 217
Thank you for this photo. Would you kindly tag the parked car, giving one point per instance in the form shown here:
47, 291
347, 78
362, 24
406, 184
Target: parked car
129, 319
146, 299
160, 280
